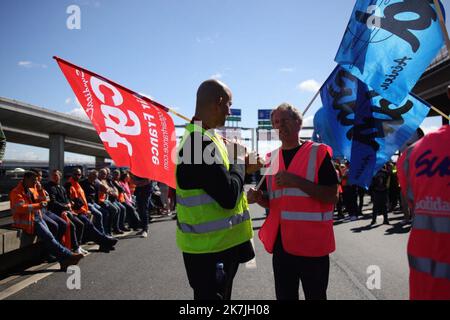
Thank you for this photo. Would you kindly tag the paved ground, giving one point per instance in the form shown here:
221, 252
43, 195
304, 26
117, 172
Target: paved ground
152, 268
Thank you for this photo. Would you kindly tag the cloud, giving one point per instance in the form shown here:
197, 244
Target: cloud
429, 129
91, 3
308, 121
207, 39
30, 64
78, 158
286, 70
217, 76
309, 86
68, 101
78, 113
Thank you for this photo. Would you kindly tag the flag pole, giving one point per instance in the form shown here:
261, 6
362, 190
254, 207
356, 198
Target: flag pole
440, 112
442, 23
312, 101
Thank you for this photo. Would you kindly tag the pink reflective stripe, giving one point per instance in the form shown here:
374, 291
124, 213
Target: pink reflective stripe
307, 216
435, 269
311, 171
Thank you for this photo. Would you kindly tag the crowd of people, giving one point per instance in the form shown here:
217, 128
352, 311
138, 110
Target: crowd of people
214, 228
95, 208
384, 191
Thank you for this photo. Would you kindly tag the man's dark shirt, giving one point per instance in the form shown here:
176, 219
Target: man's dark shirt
58, 197
90, 191
327, 172
224, 186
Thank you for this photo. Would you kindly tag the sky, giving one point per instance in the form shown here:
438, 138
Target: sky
267, 52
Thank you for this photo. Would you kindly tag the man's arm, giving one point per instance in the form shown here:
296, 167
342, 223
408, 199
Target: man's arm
222, 185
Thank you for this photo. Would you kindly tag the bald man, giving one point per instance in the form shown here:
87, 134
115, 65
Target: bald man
214, 226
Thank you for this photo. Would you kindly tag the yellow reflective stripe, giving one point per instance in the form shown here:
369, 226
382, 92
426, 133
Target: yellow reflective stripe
217, 225
194, 201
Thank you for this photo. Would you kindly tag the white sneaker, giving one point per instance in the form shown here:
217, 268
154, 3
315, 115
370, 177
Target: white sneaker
143, 234
80, 250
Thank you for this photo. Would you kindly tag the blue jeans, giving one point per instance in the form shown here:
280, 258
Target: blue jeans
113, 212
55, 224
53, 246
91, 232
99, 214
132, 216
143, 202
119, 222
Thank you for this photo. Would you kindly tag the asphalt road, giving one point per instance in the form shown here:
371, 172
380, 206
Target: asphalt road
152, 268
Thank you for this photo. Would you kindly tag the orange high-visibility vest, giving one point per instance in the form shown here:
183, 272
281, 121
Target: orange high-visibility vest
23, 209
306, 224
67, 237
77, 192
424, 175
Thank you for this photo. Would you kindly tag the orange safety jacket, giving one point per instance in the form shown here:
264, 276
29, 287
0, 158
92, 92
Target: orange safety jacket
67, 237
424, 175
77, 192
306, 224
24, 208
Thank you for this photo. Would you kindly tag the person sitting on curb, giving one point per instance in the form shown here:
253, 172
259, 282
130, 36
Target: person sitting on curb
80, 207
27, 216
60, 205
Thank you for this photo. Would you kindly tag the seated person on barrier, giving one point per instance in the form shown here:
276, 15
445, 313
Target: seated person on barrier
57, 225
132, 217
90, 187
113, 194
114, 197
102, 199
80, 208
28, 216
60, 205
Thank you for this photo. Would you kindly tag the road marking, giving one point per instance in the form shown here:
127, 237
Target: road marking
12, 278
27, 282
353, 279
252, 263
50, 267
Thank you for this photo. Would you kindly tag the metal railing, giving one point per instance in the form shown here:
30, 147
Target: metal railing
440, 58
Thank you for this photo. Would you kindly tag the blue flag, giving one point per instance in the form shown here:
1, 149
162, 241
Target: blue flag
380, 129
389, 44
333, 123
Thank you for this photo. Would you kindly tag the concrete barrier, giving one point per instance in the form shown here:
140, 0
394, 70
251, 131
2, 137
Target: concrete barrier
16, 247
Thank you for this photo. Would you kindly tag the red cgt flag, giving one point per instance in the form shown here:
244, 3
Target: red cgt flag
137, 132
